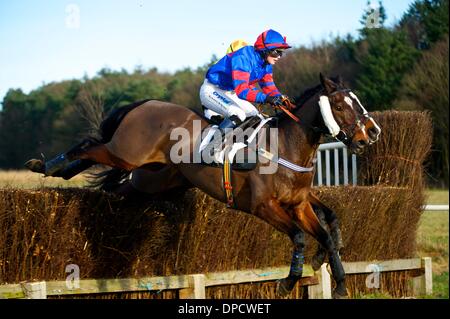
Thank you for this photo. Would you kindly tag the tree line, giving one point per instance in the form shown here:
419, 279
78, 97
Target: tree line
402, 67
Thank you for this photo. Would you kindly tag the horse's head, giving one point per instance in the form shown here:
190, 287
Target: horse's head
345, 117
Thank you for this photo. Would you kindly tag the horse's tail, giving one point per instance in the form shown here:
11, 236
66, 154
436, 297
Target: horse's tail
110, 179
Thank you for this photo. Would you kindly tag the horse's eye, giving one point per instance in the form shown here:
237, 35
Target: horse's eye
338, 107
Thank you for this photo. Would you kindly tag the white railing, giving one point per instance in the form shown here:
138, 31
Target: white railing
434, 208
335, 147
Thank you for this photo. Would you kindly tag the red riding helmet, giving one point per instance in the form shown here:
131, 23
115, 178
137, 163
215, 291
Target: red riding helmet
270, 40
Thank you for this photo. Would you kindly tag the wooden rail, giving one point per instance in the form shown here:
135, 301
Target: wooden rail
193, 286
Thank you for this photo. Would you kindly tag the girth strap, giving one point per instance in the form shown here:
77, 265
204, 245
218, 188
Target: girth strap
227, 186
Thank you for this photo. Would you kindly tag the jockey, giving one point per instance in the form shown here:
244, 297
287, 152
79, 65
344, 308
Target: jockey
229, 88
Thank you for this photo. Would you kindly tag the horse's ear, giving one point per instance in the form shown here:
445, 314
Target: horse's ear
340, 82
322, 78
329, 85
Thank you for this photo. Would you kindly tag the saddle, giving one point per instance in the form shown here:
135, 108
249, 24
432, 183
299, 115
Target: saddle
232, 147
225, 150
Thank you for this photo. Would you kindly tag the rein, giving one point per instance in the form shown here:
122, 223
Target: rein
296, 119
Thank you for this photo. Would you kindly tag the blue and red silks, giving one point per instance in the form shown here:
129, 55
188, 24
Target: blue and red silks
241, 70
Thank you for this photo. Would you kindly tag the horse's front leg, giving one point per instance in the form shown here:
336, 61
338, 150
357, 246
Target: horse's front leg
275, 215
286, 285
308, 221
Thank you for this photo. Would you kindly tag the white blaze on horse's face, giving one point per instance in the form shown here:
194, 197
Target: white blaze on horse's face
376, 128
327, 115
353, 95
361, 125
348, 101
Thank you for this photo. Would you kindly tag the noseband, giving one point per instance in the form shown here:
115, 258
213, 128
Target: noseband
342, 135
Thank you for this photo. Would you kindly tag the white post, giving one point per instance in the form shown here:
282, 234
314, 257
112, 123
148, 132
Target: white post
196, 288
323, 289
327, 168
336, 166
423, 284
345, 164
426, 263
319, 168
354, 170
35, 290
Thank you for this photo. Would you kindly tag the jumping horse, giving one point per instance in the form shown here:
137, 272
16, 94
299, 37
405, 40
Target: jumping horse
136, 138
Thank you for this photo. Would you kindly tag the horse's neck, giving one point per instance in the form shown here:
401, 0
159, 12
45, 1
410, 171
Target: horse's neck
299, 142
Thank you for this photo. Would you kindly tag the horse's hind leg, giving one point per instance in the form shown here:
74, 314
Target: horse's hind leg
328, 219
74, 168
319, 257
61, 166
99, 154
77, 159
308, 221
331, 219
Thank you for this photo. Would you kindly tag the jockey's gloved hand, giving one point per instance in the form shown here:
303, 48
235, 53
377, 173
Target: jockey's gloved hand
274, 100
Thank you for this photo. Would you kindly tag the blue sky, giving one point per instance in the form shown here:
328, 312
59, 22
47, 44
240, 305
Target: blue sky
50, 40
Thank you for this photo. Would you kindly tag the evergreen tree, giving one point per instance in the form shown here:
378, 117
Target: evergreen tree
384, 56
426, 22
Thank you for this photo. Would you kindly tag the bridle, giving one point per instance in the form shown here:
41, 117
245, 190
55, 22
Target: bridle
341, 136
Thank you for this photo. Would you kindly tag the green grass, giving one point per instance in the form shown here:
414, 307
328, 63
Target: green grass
375, 295
433, 241
440, 286
437, 196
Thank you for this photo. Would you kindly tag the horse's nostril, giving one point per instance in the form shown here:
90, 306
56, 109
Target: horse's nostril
361, 143
373, 132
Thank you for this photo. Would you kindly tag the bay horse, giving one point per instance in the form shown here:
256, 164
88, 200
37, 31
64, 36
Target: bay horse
136, 138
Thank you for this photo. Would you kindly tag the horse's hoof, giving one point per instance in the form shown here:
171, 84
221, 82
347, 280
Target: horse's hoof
282, 288
35, 165
317, 261
339, 295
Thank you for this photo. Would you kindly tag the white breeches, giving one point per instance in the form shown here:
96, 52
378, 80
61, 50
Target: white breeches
225, 103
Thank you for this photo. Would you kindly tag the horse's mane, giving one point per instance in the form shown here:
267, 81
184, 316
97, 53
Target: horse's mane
310, 92
307, 94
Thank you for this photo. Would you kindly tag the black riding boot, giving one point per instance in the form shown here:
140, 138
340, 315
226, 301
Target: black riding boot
228, 123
